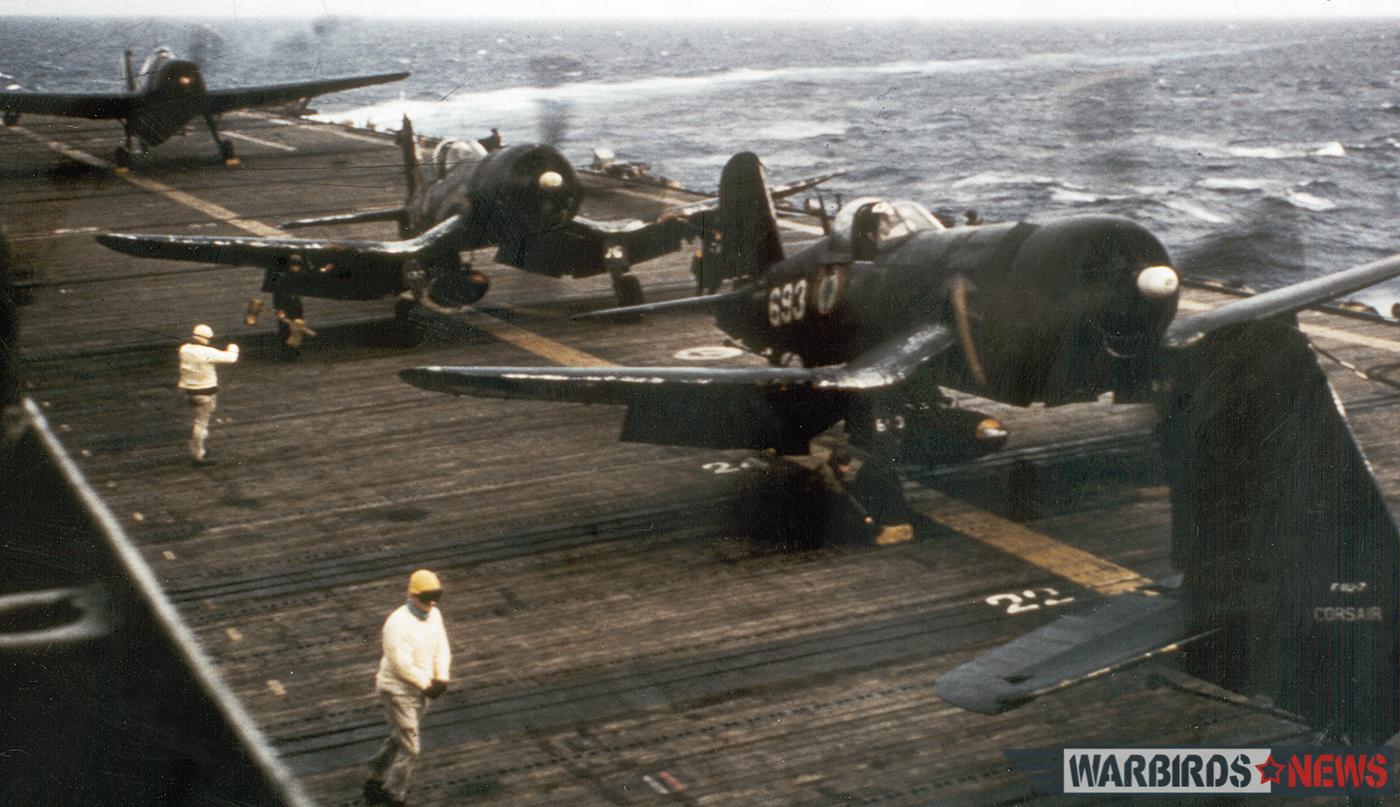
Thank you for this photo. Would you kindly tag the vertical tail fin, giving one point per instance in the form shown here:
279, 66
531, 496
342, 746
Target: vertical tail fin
1287, 547
743, 240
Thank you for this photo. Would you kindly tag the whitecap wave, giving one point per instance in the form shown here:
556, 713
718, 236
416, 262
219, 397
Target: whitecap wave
1196, 211
1260, 152
992, 178
1070, 196
1308, 201
1286, 151
800, 130
1233, 184
525, 100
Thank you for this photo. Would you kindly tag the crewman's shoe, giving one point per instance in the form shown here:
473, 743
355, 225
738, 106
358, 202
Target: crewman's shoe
374, 792
250, 314
204, 461
893, 534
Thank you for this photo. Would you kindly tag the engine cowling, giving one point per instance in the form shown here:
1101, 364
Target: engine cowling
521, 192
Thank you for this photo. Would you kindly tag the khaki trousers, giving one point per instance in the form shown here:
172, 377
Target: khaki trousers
394, 763
202, 407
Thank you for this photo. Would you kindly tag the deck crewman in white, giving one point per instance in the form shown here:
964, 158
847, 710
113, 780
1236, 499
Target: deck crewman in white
413, 670
200, 383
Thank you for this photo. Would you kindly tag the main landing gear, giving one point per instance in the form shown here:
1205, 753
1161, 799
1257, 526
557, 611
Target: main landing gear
122, 155
225, 146
626, 286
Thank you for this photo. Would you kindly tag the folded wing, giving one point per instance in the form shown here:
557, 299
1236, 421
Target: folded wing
73, 105
219, 101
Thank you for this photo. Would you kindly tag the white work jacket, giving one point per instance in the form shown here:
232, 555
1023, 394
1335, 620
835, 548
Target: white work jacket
415, 652
197, 365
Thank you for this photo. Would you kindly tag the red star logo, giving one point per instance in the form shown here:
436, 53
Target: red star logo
1270, 771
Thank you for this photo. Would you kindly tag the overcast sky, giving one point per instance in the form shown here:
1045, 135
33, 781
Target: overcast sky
758, 9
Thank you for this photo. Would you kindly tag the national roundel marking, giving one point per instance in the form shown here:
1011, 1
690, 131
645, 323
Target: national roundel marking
827, 292
708, 353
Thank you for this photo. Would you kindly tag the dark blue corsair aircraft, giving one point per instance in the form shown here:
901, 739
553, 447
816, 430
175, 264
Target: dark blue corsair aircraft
523, 199
1287, 551
167, 93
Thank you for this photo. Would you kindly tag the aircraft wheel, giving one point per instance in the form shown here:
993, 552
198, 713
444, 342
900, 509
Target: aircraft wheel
11, 118
226, 151
629, 290
121, 157
285, 351
406, 331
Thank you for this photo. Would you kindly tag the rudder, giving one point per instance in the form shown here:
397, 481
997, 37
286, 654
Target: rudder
743, 240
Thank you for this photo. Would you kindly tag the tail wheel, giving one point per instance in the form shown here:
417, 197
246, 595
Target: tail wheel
628, 290
406, 331
121, 157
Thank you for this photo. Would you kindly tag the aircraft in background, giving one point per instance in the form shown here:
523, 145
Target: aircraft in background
522, 199
1288, 552
167, 93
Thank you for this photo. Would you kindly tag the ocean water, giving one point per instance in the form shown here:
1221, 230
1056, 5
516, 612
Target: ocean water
1260, 152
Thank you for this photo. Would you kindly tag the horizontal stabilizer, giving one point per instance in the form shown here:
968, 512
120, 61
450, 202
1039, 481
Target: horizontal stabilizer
381, 214
1186, 330
1116, 632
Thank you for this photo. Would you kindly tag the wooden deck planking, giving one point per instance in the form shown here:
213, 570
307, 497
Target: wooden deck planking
746, 671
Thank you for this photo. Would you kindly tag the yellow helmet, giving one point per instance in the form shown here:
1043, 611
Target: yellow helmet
422, 581
203, 331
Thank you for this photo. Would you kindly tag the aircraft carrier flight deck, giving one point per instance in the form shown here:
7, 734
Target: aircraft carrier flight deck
628, 627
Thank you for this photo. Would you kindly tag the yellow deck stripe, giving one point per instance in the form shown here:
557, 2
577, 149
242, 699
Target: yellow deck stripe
259, 141
540, 345
209, 209
324, 127
1388, 345
1084, 568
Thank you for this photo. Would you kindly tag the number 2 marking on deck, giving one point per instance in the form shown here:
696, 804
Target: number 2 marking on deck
719, 467
1018, 603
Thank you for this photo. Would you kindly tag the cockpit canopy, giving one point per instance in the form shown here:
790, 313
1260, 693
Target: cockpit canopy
880, 223
158, 57
449, 153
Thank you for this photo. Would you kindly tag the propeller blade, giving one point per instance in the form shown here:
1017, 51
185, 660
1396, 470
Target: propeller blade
960, 287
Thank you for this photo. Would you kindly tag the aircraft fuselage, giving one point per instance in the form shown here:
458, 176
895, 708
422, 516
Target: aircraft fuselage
1055, 309
170, 94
